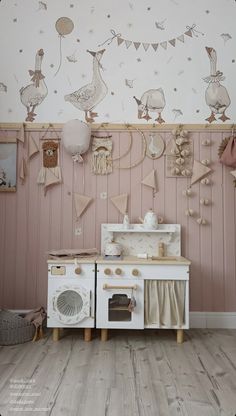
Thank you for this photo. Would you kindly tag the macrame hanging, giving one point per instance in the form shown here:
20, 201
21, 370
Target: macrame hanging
101, 155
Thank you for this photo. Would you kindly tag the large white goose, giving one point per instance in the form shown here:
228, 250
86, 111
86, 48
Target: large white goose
216, 95
88, 96
33, 94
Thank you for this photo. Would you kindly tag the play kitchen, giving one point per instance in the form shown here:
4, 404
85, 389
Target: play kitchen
142, 279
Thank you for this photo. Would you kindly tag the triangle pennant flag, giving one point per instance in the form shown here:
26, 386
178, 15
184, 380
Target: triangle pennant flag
120, 202
155, 46
146, 46
81, 203
181, 38
119, 40
52, 177
172, 42
189, 33
164, 44
23, 170
199, 171
21, 134
136, 45
33, 147
150, 180
127, 43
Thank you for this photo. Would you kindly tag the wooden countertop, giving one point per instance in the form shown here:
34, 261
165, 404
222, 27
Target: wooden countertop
72, 260
178, 260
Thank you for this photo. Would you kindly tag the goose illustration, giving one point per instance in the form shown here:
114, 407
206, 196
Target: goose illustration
216, 95
90, 95
153, 101
33, 94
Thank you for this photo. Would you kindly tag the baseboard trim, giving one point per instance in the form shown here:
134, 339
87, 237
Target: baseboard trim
224, 320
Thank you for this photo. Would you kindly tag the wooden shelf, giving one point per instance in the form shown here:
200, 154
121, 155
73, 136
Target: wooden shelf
141, 230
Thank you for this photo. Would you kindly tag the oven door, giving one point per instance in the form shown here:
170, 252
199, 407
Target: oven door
120, 303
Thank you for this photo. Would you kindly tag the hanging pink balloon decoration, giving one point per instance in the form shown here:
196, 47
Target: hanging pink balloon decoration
64, 26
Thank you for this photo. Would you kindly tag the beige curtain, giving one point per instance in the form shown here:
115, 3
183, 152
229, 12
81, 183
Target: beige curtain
164, 302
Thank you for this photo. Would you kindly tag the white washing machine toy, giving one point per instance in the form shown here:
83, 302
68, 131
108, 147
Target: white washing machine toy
71, 293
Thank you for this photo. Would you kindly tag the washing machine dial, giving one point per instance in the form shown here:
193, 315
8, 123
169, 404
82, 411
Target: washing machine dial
107, 271
135, 272
78, 270
118, 271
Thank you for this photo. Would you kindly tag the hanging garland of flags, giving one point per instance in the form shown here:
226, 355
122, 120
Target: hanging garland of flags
190, 32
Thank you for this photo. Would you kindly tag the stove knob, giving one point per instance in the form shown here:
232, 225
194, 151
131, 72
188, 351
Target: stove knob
78, 270
107, 271
135, 272
118, 271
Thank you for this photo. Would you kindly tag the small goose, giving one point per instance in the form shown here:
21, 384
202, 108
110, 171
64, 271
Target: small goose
216, 95
90, 95
33, 94
153, 101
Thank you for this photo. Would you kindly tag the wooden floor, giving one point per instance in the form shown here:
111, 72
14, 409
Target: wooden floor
134, 373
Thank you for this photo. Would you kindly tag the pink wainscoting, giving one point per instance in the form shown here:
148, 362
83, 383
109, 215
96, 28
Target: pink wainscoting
31, 223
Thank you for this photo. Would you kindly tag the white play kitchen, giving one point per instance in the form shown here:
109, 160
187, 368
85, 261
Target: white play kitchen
142, 280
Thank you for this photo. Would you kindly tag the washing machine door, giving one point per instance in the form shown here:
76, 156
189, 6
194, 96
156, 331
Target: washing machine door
71, 304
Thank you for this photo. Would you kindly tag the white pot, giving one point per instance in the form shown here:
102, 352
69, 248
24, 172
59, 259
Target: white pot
113, 249
150, 220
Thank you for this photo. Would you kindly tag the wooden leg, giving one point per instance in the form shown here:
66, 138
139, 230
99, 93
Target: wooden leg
55, 334
180, 336
104, 334
87, 334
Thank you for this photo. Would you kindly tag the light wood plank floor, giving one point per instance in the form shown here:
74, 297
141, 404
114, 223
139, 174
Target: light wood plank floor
134, 373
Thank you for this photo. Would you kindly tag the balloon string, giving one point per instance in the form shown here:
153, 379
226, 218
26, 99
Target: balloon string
60, 57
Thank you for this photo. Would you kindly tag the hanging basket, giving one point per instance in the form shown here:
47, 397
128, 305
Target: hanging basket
14, 329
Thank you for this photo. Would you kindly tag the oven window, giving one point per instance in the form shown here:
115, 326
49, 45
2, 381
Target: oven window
118, 308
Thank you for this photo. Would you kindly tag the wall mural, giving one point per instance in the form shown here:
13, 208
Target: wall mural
33, 94
88, 96
151, 72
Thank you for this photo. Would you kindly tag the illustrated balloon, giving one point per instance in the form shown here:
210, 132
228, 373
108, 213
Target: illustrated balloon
76, 138
64, 26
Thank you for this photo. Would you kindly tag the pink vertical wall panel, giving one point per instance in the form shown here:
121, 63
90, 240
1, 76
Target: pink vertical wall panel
32, 223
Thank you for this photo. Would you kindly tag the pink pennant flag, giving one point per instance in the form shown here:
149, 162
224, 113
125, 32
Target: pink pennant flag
189, 33
120, 40
172, 42
164, 45
155, 46
146, 46
136, 45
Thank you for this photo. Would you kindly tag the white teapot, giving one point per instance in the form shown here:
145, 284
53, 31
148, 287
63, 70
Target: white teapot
150, 220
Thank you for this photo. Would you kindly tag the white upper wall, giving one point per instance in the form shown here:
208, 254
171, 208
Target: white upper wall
176, 70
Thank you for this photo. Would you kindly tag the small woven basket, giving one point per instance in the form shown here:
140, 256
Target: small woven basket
14, 329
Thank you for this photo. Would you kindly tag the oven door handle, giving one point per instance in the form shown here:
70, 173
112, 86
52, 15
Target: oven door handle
107, 287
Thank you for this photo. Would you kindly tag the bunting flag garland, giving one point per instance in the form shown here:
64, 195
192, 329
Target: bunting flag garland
190, 32
23, 170
150, 180
81, 203
199, 171
21, 134
32, 147
120, 202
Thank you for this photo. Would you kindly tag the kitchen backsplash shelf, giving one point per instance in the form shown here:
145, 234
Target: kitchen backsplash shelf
138, 239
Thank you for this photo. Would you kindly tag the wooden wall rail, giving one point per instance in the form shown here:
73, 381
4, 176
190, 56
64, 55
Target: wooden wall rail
119, 127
